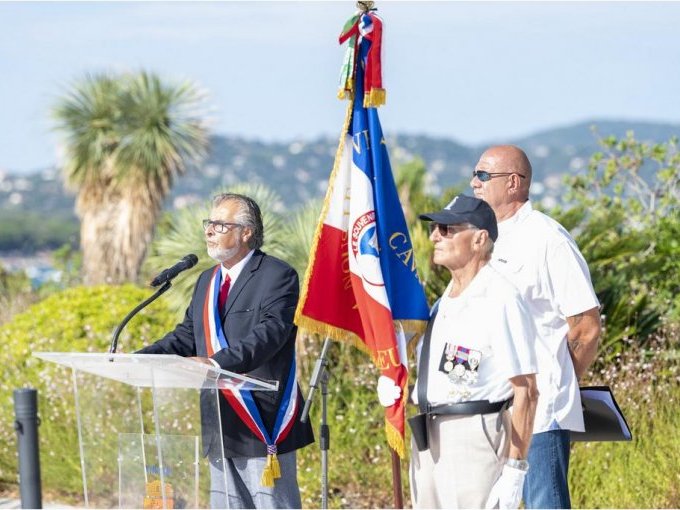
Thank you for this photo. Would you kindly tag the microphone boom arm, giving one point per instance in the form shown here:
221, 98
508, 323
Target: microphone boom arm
119, 329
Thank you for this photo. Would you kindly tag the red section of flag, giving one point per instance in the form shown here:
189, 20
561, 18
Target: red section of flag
330, 299
373, 73
379, 336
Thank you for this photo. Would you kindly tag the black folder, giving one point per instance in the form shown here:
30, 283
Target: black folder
602, 416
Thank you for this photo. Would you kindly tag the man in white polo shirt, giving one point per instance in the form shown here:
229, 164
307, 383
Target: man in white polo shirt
540, 257
476, 355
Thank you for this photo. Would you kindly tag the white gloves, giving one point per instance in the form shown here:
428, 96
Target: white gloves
388, 391
507, 491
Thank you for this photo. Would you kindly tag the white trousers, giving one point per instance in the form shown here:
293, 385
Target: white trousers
463, 461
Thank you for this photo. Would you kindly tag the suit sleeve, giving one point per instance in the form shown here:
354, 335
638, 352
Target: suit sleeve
274, 328
179, 341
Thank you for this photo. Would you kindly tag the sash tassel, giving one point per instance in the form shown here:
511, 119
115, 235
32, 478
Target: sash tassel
272, 468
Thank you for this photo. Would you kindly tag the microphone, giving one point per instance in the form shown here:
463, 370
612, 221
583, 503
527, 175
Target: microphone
168, 274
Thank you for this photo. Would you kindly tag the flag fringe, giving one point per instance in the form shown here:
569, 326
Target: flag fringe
332, 332
324, 212
374, 98
394, 439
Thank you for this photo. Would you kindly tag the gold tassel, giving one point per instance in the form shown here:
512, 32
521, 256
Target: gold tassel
276, 467
267, 479
394, 439
345, 94
375, 98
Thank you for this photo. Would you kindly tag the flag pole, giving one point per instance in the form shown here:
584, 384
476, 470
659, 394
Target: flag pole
396, 480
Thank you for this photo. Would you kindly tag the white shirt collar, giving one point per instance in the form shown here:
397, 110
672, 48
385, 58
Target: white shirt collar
236, 269
476, 287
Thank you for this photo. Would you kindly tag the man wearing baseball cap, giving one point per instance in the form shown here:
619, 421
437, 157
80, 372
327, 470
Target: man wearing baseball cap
471, 438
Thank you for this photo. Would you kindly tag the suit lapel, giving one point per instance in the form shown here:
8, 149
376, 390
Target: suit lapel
247, 273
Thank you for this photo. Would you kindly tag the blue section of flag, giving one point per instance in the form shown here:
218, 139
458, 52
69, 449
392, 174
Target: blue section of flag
404, 291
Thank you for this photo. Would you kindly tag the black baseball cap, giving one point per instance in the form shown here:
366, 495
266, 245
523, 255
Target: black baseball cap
465, 209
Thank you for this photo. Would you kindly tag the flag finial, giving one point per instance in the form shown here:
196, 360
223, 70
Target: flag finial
366, 5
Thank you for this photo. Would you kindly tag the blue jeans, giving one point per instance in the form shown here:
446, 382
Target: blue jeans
546, 484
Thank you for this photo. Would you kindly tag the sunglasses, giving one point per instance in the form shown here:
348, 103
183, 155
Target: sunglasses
446, 230
485, 176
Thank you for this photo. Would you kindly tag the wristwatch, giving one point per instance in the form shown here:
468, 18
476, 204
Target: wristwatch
520, 464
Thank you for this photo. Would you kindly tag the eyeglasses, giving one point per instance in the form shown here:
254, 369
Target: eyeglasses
446, 230
221, 227
485, 176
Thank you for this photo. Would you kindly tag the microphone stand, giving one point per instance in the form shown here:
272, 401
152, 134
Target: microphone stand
119, 329
321, 375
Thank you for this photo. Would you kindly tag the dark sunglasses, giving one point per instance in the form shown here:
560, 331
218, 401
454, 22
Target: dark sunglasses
446, 230
485, 176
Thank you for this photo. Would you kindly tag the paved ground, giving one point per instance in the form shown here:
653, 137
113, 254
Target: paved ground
16, 503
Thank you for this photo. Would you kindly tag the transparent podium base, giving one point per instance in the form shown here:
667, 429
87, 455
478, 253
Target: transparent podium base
180, 479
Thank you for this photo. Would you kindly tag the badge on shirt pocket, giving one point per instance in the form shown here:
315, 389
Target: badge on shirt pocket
460, 363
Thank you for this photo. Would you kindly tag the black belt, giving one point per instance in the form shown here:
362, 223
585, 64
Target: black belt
469, 408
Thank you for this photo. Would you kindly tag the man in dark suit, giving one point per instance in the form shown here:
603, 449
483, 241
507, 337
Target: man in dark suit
241, 319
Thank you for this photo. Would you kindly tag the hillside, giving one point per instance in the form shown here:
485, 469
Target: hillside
299, 170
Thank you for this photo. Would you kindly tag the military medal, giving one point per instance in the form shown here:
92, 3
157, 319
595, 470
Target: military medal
449, 353
460, 364
458, 371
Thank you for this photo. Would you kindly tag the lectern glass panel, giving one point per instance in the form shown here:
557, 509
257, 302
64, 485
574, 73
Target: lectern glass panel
148, 427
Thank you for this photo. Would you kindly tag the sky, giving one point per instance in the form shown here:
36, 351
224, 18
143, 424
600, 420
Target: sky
468, 71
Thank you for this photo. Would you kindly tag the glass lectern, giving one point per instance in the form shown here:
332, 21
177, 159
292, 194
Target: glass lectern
145, 425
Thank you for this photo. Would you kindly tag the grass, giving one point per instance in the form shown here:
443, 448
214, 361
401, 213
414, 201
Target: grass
643, 473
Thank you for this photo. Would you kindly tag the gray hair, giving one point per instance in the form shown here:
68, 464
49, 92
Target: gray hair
249, 215
487, 249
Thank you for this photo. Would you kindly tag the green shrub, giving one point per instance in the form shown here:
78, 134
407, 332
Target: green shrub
79, 320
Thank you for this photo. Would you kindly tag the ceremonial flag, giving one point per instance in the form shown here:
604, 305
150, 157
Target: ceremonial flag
362, 274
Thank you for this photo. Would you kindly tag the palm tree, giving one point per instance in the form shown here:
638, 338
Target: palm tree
127, 138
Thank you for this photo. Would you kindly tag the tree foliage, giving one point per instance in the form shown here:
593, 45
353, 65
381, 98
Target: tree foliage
127, 137
30, 232
625, 217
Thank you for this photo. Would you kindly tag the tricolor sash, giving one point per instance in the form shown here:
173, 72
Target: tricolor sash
242, 400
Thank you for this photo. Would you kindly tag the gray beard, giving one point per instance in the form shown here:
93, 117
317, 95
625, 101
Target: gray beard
220, 255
